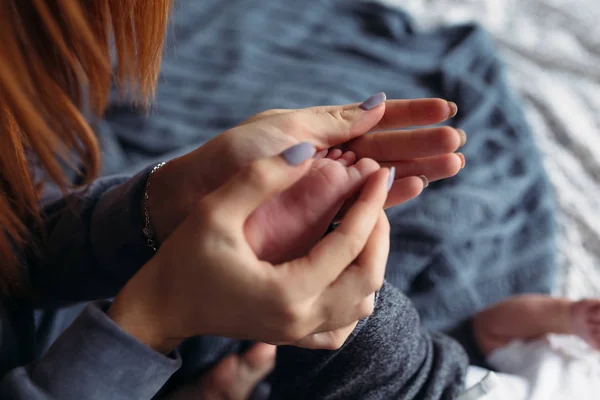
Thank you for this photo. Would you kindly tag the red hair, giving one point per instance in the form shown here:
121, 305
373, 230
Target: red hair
57, 57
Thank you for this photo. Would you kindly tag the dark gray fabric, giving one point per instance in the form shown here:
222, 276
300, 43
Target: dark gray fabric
388, 356
466, 242
82, 258
90, 264
92, 359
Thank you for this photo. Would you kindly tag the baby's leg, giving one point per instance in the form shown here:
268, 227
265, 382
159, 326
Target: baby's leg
532, 316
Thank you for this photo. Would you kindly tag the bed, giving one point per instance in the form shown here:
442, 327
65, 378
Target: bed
551, 50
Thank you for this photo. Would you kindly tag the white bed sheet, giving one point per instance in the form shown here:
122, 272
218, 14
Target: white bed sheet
552, 52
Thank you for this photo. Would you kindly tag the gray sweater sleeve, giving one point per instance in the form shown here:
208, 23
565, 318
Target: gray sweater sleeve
92, 359
388, 356
91, 244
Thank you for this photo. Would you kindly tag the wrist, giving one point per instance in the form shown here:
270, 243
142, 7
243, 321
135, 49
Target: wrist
140, 317
182, 182
163, 204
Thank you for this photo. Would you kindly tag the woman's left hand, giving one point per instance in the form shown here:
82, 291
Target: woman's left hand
428, 151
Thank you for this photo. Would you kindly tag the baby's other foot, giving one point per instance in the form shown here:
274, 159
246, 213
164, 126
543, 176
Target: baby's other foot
585, 321
290, 224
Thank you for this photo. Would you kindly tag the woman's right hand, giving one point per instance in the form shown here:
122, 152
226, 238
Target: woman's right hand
206, 280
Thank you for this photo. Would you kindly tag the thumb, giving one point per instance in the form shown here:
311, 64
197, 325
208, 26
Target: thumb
328, 126
261, 180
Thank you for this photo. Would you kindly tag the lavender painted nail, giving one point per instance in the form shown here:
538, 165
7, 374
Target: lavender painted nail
391, 178
372, 101
298, 153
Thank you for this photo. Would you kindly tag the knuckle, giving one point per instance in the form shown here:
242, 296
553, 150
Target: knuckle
291, 334
366, 307
335, 343
214, 221
384, 224
257, 175
293, 327
374, 281
345, 117
270, 113
290, 317
373, 275
292, 121
209, 212
341, 115
354, 243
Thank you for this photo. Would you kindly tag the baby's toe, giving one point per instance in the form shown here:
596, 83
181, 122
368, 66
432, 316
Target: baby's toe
334, 154
321, 154
347, 159
365, 167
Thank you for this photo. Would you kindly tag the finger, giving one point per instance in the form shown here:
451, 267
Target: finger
434, 168
260, 181
405, 189
329, 126
373, 259
406, 113
355, 286
405, 145
402, 190
419, 112
336, 251
398, 114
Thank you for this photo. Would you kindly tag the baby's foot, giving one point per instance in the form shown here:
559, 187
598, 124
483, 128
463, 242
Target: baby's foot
289, 225
585, 321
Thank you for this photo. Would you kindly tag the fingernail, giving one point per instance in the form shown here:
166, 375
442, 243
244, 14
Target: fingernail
372, 101
425, 181
453, 108
391, 178
298, 153
462, 160
463, 137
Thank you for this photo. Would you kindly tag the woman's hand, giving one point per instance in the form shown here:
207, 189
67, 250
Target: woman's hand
206, 280
428, 152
